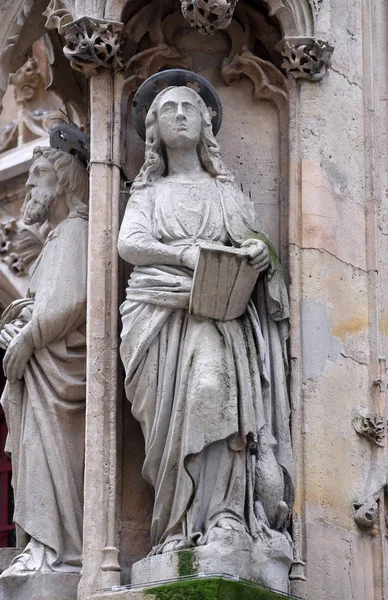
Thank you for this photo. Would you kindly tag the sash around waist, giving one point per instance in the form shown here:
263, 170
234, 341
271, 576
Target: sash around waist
160, 284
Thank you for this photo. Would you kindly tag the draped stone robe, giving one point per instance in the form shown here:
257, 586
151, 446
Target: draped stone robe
45, 411
201, 389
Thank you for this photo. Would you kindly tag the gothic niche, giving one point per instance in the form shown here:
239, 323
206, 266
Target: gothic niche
244, 66
242, 63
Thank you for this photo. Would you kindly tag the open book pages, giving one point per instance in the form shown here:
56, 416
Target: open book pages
223, 282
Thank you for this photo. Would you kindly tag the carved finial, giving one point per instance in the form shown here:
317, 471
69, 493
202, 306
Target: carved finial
208, 15
92, 44
306, 58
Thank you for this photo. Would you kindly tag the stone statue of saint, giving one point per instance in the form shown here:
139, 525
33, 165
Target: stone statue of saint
44, 398
210, 395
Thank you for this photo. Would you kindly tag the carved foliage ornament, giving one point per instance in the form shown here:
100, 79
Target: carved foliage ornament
267, 80
372, 427
20, 245
92, 44
208, 15
58, 15
29, 124
306, 57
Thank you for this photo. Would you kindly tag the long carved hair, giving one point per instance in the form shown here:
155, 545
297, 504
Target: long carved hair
155, 166
72, 177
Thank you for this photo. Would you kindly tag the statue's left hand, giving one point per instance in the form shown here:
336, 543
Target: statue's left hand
258, 254
17, 356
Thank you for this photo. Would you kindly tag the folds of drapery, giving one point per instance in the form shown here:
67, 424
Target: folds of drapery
195, 382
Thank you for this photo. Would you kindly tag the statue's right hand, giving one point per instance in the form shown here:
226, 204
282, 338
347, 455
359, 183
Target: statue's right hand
7, 335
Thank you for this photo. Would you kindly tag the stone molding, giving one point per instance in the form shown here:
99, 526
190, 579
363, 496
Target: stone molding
93, 44
306, 58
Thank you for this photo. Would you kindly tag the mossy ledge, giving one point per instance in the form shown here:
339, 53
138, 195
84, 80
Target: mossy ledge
215, 588
187, 563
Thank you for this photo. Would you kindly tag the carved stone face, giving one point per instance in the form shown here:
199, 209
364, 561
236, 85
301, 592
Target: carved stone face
179, 119
43, 181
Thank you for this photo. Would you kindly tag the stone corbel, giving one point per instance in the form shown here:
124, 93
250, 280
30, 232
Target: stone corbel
305, 57
371, 427
93, 45
366, 514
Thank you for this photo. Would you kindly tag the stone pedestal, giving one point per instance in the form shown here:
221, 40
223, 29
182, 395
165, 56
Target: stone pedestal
40, 586
215, 588
265, 561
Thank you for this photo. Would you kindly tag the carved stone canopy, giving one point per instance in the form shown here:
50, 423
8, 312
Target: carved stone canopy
92, 44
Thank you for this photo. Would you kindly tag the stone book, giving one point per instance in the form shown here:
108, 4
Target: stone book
223, 282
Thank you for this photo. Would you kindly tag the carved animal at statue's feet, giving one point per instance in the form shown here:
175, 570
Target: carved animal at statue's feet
270, 507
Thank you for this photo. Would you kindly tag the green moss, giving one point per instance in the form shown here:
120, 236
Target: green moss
212, 589
186, 563
259, 235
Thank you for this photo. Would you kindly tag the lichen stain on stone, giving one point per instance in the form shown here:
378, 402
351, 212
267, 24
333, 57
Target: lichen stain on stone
350, 327
383, 326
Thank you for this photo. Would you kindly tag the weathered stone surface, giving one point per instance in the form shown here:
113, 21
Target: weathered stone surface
40, 586
266, 561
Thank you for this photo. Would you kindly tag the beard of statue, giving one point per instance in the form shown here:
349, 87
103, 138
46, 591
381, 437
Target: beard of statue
37, 204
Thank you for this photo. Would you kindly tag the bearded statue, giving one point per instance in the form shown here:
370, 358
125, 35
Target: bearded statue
45, 350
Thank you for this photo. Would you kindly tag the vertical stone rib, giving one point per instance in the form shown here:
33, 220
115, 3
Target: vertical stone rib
100, 564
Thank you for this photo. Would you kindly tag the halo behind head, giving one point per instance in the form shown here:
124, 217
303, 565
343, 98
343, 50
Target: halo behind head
148, 91
69, 138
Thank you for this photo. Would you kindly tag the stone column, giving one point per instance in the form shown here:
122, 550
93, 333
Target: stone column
100, 556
